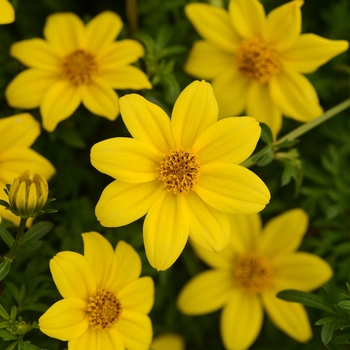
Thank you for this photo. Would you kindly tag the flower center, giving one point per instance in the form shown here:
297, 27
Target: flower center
256, 61
252, 273
104, 309
179, 171
78, 67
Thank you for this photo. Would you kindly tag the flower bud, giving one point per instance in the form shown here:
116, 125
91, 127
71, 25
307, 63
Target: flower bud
28, 196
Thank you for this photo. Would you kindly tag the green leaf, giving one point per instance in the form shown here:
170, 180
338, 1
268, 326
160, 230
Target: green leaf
345, 304
13, 312
266, 133
5, 267
3, 313
36, 232
263, 157
4, 203
6, 236
325, 320
327, 331
12, 346
307, 299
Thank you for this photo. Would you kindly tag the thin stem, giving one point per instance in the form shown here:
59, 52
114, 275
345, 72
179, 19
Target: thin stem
131, 14
15, 246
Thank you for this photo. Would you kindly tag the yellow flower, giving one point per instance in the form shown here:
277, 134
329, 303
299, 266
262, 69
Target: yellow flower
105, 301
76, 63
182, 172
168, 341
255, 62
247, 276
7, 13
18, 133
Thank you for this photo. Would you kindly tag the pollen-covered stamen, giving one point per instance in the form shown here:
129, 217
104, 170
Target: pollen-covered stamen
256, 61
104, 309
252, 273
79, 67
179, 171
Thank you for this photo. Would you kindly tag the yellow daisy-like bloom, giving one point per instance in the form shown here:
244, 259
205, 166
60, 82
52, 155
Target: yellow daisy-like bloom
105, 303
255, 61
18, 133
76, 63
7, 13
246, 277
168, 341
182, 172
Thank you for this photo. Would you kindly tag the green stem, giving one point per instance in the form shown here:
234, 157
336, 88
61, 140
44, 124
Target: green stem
15, 246
131, 14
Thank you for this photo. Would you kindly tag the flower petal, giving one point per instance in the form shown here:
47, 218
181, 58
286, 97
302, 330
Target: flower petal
284, 233
301, 271
122, 203
230, 140
64, 32
126, 267
166, 230
72, 275
247, 17
214, 25
99, 254
128, 160
147, 122
232, 188
194, 111
7, 13
59, 103
28, 88
205, 61
171, 341
291, 318
135, 329
36, 53
99, 98
126, 77
138, 295
295, 96
209, 228
311, 51
262, 108
241, 320
102, 30
65, 320
230, 90
206, 292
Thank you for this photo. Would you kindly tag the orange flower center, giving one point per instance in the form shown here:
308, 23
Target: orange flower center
79, 67
252, 273
179, 171
256, 61
104, 309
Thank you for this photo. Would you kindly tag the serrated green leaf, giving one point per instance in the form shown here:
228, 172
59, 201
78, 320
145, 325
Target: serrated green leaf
5, 267
327, 331
6, 236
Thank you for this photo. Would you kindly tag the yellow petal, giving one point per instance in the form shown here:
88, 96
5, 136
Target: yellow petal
126, 159
247, 17
311, 51
147, 122
206, 292
138, 295
170, 341
166, 230
205, 61
59, 103
126, 77
65, 320
284, 25
102, 30
122, 203
194, 111
100, 99
99, 254
295, 96
65, 32
232, 189
126, 267
230, 140
73, 275
300, 271
209, 228
241, 320
28, 88
284, 233
7, 13
291, 318
135, 330
214, 25
230, 90
262, 108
